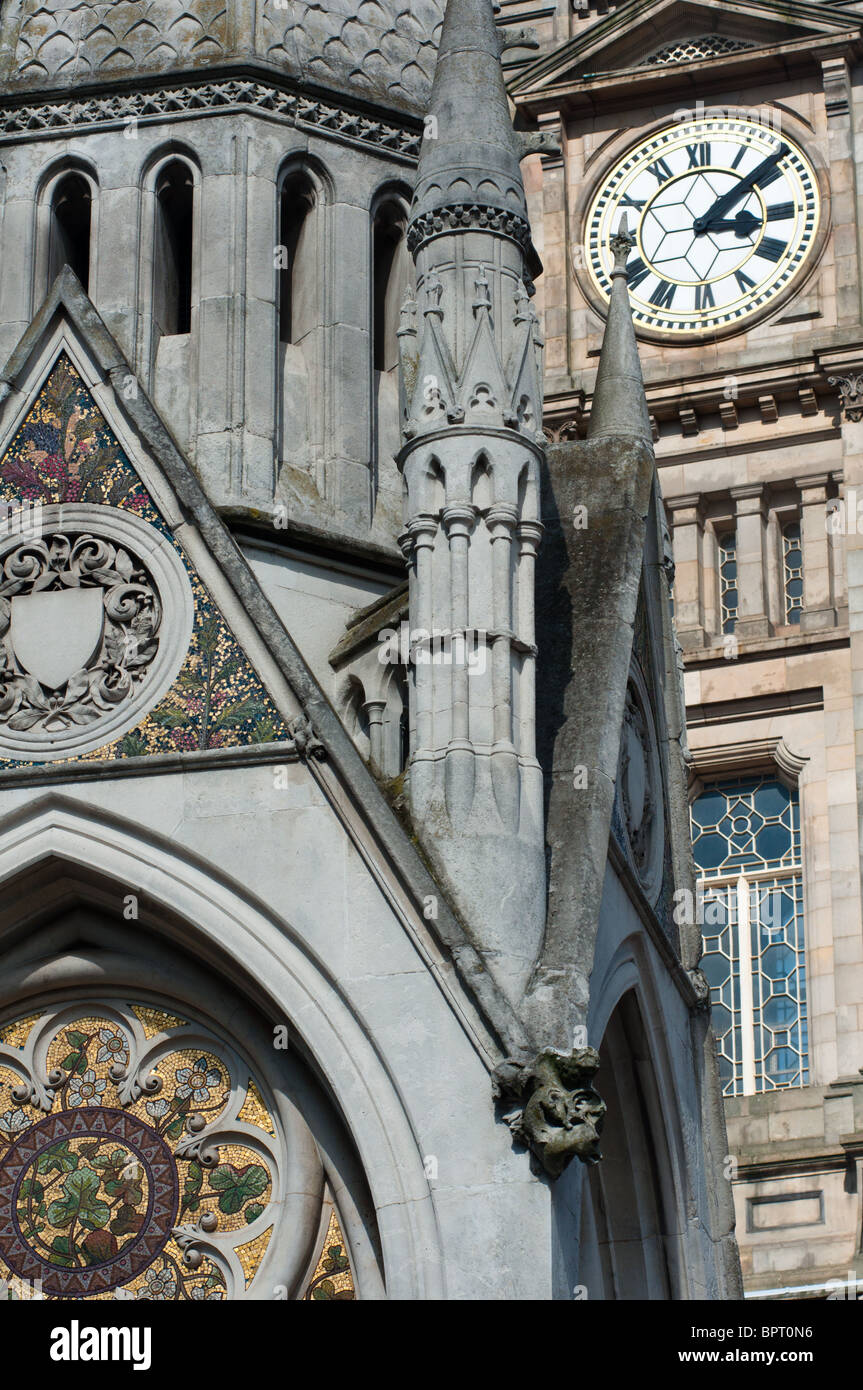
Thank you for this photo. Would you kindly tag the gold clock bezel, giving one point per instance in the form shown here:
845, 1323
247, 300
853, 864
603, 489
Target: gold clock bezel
778, 125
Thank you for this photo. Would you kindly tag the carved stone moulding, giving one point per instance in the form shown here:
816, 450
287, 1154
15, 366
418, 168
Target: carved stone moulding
639, 790
96, 615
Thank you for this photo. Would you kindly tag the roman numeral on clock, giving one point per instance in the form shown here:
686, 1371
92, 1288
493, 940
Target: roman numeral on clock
780, 211
663, 295
738, 158
769, 176
743, 281
627, 201
771, 248
699, 154
704, 297
636, 271
660, 170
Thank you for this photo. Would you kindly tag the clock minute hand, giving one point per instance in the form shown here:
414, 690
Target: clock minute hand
728, 200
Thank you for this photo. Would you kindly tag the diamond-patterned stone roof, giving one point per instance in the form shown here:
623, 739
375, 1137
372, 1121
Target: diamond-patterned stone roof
381, 49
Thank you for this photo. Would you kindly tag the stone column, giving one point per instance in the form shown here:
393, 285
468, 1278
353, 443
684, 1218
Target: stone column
818, 609
423, 530
458, 521
687, 520
375, 710
752, 619
502, 520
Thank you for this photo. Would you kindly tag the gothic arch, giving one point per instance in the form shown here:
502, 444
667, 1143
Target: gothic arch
189, 905
635, 1201
158, 358
54, 245
391, 275
303, 295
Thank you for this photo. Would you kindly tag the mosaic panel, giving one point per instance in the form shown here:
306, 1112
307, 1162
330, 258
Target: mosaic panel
101, 1182
332, 1278
64, 452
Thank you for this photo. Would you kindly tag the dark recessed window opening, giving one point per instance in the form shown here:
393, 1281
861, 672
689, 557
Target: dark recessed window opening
70, 228
172, 262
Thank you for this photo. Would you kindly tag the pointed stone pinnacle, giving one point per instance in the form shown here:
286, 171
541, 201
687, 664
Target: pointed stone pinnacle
470, 155
619, 404
620, 245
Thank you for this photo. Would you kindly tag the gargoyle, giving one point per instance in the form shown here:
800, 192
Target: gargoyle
560, 1116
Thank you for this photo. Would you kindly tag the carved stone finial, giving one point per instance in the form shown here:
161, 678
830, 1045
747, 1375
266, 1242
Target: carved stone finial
522, 304
408, 316
620, 245
434, 290
850, 394
560, 1115
483, 291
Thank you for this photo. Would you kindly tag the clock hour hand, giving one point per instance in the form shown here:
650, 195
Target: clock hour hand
743, 225
727, 200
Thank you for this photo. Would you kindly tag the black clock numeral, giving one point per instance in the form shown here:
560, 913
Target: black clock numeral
769, 176
663, 295
771, 248
780, 211
660, 170
704, 297
636, 271
738, 158
743, 281
627, 201
699, 154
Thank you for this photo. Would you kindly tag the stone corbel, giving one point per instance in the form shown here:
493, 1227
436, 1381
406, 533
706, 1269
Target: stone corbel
306, 742
835, 77
850, 394
558, 1114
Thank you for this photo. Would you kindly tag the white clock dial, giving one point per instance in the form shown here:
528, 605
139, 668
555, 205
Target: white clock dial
725, 212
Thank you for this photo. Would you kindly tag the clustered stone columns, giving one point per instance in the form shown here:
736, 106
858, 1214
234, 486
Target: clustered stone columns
458, 523
502, 521
417, 545
529, 535
752, 619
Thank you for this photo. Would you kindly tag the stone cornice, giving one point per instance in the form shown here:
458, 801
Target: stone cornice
59, 113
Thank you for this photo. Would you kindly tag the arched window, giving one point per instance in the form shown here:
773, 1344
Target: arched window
297, 259
390, 279
69, 242
172, 261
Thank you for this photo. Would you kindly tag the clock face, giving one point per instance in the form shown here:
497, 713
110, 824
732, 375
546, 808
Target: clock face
725, 212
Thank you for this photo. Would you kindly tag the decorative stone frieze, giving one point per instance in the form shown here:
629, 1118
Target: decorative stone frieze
175, 102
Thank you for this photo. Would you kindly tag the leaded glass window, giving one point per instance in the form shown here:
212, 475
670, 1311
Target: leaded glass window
746, 842
792, 571
728, 597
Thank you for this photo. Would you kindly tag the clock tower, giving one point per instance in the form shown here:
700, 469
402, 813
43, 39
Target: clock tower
731, 138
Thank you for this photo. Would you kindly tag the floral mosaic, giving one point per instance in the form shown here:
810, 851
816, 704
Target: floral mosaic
332, 1278
65, 452
102, 1189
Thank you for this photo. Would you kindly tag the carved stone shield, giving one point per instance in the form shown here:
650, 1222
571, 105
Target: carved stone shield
54, 635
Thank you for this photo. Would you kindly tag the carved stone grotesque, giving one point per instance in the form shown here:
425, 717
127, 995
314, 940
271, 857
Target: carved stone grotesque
560, 1115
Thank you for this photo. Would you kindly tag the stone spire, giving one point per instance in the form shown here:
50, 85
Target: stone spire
619, 404
471, 374
470, 157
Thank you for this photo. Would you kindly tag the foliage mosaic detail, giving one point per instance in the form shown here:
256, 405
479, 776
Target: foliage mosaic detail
115, 1181
332, 1278
64, 451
